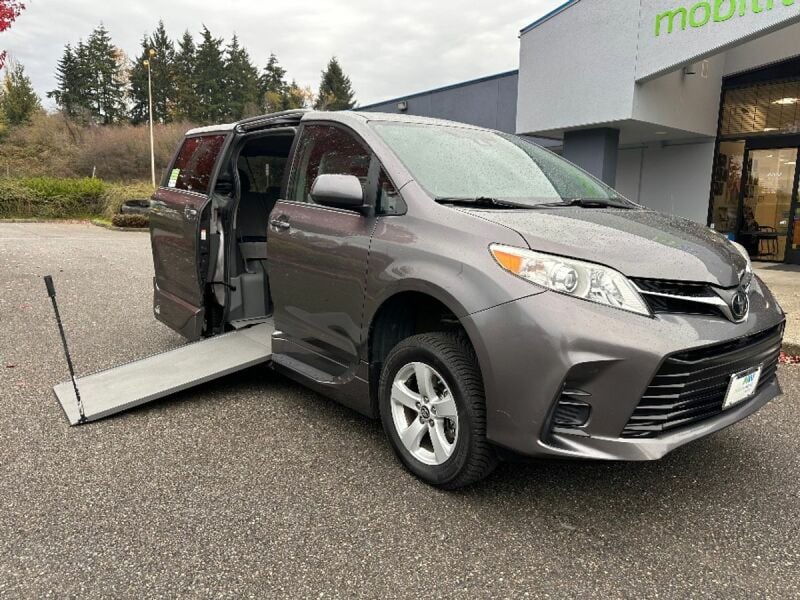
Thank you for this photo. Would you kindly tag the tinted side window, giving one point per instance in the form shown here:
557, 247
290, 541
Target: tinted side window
192, 168
326, 150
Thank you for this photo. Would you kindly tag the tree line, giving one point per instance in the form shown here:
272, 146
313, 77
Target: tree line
203, 80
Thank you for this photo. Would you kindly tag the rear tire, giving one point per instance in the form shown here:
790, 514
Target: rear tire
433, 410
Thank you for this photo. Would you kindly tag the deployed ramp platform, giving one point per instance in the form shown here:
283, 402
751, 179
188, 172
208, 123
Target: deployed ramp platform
117, 389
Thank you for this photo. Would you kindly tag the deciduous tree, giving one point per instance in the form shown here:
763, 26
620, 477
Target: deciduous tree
9, 11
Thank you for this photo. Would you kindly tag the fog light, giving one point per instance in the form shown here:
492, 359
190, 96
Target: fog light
570, 410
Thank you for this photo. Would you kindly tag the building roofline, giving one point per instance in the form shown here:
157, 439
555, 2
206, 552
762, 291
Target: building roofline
441, 89
548, 16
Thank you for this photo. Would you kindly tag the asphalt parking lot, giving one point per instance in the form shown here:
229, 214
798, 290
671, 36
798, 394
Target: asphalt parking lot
253, 486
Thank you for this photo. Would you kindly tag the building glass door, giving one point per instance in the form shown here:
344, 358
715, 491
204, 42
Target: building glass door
768, 193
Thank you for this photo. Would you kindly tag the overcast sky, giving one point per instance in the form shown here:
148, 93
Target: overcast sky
388, 48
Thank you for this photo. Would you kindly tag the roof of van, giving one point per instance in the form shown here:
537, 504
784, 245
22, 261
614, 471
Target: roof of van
345, 115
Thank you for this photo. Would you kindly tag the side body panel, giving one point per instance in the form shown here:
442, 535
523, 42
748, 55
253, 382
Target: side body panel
317, 270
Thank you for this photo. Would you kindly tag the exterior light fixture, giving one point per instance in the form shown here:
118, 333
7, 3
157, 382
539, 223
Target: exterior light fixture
402, 106
785, 101
770, 129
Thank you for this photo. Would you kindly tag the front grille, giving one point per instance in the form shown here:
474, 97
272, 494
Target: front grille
685, 297
674, 288
690, 386
659, 304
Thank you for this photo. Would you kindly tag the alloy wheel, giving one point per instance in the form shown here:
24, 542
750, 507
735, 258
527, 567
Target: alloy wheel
424, 413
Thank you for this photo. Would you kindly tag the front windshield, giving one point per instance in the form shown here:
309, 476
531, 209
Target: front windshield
453, 162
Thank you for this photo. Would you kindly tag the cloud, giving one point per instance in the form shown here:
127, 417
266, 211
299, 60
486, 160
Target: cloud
387, 48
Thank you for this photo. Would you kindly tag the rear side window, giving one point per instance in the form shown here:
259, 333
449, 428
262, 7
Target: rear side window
192, 169
327, 150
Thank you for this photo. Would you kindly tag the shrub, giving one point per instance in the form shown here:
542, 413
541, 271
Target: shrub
51, 145
49, 197
117, 194
130, 221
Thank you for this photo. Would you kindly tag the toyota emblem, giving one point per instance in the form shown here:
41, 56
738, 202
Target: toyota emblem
740, 305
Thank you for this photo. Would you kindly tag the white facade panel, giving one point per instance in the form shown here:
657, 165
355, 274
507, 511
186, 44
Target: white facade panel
686, 102
773, 48
565, 81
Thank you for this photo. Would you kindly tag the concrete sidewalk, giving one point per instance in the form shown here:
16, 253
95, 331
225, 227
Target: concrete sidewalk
784, 281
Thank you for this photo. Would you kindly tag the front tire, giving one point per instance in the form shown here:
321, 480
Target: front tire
433, 410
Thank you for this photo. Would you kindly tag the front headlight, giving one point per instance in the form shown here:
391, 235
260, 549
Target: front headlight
577, 278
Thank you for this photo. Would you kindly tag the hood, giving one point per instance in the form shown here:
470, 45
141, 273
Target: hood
638, 243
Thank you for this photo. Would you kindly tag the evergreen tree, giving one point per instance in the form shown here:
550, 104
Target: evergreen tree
272, 86
162, 65
240, 83
335, 89
101, 63
138, 93
209, 74
18, 100
67, 95
185, 105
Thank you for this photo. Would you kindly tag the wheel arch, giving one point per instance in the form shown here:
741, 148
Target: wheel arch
405, 312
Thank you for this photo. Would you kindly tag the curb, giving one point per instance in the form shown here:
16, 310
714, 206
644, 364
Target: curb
104, 225
38, 220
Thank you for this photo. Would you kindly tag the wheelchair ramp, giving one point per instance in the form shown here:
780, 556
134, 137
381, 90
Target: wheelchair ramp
117, 389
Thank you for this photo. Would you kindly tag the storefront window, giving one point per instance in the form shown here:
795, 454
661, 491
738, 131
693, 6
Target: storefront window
726, 186
772, 108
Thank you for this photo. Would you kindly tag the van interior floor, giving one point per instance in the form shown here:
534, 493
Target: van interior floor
119, 388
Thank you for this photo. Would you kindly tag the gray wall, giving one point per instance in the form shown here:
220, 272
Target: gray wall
487, 102
673, 179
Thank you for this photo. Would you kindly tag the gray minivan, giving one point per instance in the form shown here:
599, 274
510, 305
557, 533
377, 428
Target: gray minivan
475, 292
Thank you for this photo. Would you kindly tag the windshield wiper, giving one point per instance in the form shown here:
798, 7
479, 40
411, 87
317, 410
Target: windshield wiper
591, 203
480, 201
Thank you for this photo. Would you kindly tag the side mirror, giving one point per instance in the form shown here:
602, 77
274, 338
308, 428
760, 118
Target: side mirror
340, 191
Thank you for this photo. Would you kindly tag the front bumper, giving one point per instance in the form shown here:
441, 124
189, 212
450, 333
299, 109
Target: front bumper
530, 349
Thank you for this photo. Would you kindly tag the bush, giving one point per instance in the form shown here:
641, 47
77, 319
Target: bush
117, 194
130, 221
51, 145
51, 198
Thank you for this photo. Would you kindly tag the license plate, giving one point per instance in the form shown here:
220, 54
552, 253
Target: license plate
742, 386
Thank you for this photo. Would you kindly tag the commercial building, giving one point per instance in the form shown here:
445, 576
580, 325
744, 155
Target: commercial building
692, 110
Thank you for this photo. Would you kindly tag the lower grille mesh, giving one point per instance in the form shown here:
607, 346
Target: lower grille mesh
691, 385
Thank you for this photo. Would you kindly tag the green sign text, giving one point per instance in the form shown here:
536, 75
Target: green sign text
702, 13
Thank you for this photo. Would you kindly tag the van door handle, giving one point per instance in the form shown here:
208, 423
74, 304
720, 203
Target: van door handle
190, 213
280, 223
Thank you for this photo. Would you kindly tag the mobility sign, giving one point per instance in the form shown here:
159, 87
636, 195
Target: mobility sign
704, 13
671, 35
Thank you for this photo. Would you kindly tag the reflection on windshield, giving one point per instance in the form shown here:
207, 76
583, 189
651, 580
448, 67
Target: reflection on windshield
461, 163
